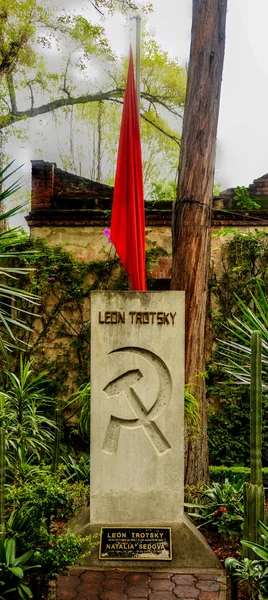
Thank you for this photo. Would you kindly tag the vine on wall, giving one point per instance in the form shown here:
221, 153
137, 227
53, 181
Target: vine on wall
60, 338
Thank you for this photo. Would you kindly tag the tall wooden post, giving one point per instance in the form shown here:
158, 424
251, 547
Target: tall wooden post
192, 209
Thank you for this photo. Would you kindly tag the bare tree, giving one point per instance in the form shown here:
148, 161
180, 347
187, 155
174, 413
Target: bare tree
192, 209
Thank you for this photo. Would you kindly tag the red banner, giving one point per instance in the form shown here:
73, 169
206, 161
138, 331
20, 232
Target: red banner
128, 220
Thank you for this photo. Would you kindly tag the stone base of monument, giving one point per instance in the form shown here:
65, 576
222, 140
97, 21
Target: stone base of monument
82, 583
189, 549
193, 573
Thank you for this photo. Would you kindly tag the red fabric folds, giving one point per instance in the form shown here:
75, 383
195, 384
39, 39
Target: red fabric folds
128, 220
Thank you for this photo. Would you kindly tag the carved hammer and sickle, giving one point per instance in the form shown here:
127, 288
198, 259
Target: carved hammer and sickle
143, 417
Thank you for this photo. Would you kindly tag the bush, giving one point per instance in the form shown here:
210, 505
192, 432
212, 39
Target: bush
220, 473
220, 507
48, 498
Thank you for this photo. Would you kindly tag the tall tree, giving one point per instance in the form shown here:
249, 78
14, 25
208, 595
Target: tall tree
93, 128
36, 36
192, 209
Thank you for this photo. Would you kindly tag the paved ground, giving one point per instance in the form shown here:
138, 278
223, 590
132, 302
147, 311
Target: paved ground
83, 584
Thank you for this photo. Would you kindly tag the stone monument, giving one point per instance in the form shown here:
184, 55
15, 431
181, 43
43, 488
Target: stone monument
137, 436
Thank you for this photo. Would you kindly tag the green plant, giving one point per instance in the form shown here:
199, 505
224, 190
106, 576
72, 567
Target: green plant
12, 571
221, 507
51, 497
74, 470
191, 410
60, 552
81, 400
260, 549
22, 405
237, 349
56, 446
219, 473
2, 482
253, 491
10, 239
253, 573
243, 199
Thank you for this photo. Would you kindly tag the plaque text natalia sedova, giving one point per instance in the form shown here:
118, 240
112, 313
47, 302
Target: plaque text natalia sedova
135, 543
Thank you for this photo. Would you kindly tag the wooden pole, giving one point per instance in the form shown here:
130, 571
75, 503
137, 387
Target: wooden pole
191, 227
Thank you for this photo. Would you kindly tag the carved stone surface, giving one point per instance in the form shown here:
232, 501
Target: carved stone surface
137, 391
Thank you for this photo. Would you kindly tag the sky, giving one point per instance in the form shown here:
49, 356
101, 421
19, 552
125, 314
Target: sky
242, 139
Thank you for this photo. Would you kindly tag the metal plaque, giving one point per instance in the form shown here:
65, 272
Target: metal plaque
135, 543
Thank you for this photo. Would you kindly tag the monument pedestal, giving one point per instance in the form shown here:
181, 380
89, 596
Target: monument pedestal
190, 550
137, 450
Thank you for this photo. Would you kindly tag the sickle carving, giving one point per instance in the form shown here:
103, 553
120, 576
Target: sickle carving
142, 417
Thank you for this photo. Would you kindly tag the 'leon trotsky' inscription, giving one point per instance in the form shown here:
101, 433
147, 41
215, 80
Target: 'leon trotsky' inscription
115, 317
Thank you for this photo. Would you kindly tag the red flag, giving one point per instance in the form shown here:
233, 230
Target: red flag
128, 221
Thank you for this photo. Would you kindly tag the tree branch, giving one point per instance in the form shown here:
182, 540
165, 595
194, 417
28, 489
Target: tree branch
9, 119
32, 95
172, 137
11, 91
114, 95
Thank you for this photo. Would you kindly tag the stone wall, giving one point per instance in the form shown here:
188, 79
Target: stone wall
73, 211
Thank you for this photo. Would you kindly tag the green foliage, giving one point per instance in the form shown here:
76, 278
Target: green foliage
244, 260
254, 573
12, 571
48, 50
33, 509
22, 406
10, 239
75, 470
217, 189
221, 507
243, 199
56, 445
160, 191
221, 472
50, 497
60, 552
236, 351
239, 301
191, 410
81, 400
93, 128
260, 549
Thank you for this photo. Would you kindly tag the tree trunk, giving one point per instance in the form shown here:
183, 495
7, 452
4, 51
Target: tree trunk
192, 209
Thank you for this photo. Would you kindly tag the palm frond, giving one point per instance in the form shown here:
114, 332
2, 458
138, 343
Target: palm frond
234, 352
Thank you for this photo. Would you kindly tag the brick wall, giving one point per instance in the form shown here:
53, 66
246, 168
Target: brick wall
72, 211
53, 188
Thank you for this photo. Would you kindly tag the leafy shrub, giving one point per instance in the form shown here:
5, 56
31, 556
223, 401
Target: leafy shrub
22, 405
75, 470
33, 523
253, 572
12, 571
60, 552
221, 507
48, 498
221, 472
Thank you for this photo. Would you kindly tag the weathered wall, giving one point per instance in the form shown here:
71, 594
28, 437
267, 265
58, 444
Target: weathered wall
73, 211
